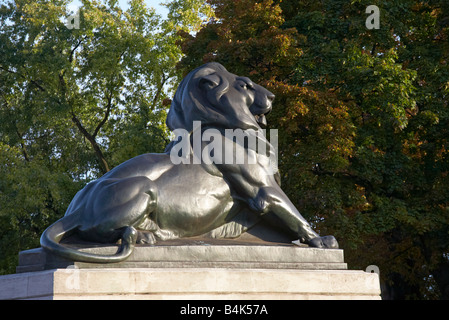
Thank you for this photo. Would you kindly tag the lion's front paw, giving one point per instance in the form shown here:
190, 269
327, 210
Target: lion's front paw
328, 242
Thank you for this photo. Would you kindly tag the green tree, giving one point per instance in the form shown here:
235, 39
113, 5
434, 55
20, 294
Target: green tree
362, 118
75, 102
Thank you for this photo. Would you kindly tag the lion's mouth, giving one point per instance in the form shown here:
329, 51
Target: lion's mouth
261, 120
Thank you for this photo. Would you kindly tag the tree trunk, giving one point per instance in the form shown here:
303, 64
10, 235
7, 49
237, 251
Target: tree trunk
103, 163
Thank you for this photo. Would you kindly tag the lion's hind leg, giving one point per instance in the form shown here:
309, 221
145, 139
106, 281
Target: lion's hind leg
118, 204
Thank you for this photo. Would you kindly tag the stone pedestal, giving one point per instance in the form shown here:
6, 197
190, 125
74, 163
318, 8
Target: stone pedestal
196, 255
193, 269
190, 284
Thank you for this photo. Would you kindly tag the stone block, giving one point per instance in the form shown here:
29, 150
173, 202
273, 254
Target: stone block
190, 283
197, 255
193, 269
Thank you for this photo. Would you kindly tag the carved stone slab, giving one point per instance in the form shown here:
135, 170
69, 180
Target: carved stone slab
197, 254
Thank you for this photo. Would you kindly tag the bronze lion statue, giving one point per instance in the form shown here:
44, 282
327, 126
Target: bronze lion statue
150, 198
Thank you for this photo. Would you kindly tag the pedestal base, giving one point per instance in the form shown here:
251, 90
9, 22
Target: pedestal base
190, 283
247, 268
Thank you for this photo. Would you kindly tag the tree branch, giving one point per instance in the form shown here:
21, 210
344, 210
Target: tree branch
159, 91
106, 115
73, 50
24, 149
21, 75
93, 142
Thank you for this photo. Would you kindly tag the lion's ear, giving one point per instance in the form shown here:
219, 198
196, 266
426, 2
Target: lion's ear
210, 81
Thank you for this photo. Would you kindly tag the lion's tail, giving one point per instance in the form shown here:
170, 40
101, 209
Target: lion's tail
53, 234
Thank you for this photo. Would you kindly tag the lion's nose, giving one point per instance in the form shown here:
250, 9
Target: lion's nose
270, 97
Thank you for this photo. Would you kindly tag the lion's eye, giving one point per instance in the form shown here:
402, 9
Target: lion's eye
246, 86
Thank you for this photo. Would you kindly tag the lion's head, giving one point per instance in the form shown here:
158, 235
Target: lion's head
219, 99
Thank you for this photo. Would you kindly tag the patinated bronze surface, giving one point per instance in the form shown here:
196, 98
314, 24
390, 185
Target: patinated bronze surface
178, 194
